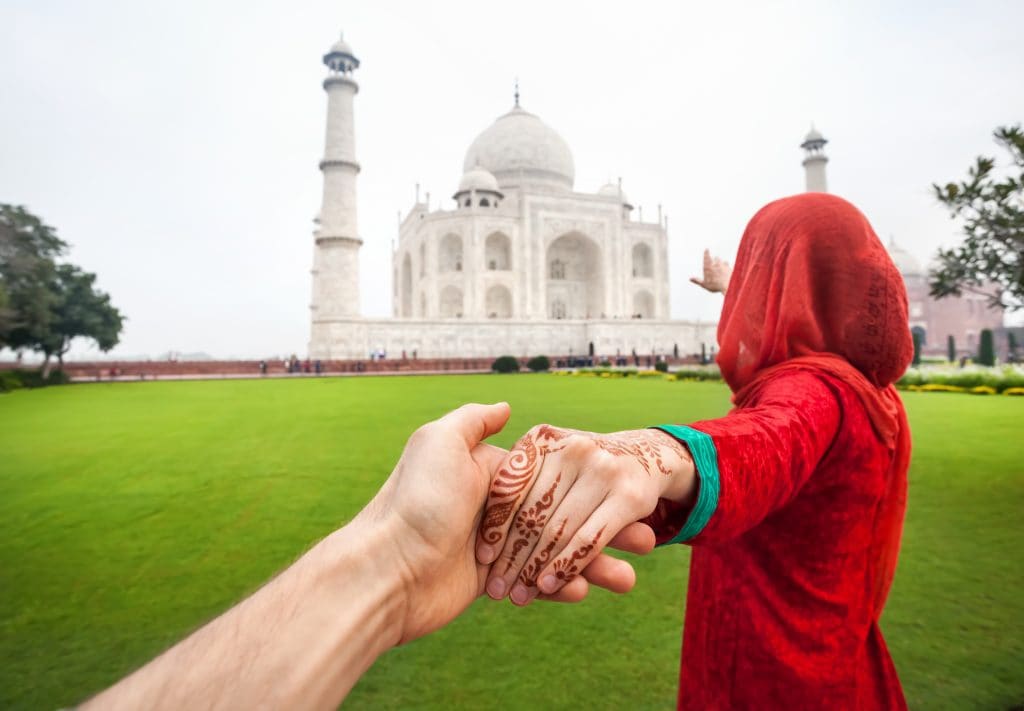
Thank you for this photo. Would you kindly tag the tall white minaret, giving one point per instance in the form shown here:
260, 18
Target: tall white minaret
814, 161
336, 250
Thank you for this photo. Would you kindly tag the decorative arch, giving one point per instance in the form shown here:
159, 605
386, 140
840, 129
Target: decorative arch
450, 254
643, 261
406, 290
423, 259
499, 302
575, 282
643, 304
451, 302
498, 252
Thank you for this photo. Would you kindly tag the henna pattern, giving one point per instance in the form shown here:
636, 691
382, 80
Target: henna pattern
637, 445
516, 476
565, 569
530, 522
531, 571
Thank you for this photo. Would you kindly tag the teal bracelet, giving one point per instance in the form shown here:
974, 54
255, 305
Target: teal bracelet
705, 458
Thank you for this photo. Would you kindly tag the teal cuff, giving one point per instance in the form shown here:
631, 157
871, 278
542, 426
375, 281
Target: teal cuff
705, 458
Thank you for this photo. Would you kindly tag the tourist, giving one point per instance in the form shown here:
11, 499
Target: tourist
401, 569
793, 503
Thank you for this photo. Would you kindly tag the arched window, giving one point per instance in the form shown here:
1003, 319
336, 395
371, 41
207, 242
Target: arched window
499, 302
643, 304
450, 254
423, 258
484, 202
498, 251
643, 262
557, 270
451, 302
406, 290
557, 309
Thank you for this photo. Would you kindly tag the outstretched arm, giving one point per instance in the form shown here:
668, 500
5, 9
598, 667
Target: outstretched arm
404, 567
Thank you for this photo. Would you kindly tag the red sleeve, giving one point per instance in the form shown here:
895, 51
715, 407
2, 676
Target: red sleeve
766, 451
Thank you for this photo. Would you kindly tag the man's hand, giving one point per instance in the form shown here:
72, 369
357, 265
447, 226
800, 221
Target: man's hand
717, 274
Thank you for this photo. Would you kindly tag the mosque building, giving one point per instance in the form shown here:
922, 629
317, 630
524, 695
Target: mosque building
524, 264
521, 264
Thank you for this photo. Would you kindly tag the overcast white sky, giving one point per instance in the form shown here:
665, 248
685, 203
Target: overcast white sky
175, 144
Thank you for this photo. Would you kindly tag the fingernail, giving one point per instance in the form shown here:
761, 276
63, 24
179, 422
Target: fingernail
519, 595
548, 583
496, 588
485, 553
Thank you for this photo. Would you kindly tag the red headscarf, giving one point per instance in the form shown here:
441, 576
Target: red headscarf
814, 289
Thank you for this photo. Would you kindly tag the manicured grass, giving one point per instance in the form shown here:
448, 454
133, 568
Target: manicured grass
131, 513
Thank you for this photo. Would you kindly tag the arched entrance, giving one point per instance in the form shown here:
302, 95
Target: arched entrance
575, 284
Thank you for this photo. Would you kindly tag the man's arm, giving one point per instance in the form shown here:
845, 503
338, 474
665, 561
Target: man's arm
404, 567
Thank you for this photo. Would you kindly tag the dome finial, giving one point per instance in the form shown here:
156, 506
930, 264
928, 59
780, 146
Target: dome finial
517, 92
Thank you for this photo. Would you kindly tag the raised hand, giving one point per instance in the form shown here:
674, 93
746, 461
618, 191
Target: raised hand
560, 496
717, 274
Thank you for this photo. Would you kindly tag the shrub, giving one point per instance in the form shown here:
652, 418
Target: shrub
983, 390
986, 349
17, 379
1014, 391
950, 349
505, 364
538, 363
661, 366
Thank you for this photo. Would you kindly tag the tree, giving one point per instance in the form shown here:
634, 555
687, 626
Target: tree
1011, 346
28, 248
990, 260
916, 335
950, 349
81, 310
986, 348
44, 306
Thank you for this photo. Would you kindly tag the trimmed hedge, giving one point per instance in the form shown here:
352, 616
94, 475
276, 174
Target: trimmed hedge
962, 381
505, 364
18, 379
539, 363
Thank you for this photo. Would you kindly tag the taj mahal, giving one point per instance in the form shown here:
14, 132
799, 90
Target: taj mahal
522, 263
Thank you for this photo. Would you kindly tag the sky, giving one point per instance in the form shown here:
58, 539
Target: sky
175, 145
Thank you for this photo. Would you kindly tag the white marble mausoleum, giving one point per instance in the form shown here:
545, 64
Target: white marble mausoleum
520, 264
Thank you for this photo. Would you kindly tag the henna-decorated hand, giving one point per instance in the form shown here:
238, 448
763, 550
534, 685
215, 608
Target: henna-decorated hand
425, 517
562, 495
717, 274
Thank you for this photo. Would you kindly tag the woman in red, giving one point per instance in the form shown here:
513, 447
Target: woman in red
793, 503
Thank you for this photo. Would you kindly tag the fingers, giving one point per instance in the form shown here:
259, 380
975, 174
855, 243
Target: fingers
698, 282
514, 479
581, 550
707, 259
478, 422
574, 591
610, 573
635, 538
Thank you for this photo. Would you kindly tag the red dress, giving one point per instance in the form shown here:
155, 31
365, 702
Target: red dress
782, 609
801, 498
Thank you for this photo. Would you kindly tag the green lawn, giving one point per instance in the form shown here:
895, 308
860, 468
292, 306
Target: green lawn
131, 513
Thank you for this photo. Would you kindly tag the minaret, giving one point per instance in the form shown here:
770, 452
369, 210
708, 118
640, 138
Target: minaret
814, 161
336, 250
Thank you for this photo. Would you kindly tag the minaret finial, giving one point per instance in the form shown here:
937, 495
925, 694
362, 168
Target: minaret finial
517, 92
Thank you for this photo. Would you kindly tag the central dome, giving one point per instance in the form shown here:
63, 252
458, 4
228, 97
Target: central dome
520, 150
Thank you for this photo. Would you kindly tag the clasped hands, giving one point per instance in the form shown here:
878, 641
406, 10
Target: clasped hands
459, 516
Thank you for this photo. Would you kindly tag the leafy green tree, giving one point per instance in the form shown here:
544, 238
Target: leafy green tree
81, 311
986, 348
950, 348
990, 260
28, 249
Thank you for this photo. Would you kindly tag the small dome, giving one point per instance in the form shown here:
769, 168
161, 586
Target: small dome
521, 150
341, 47
478, 179
613, 190
904, 261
